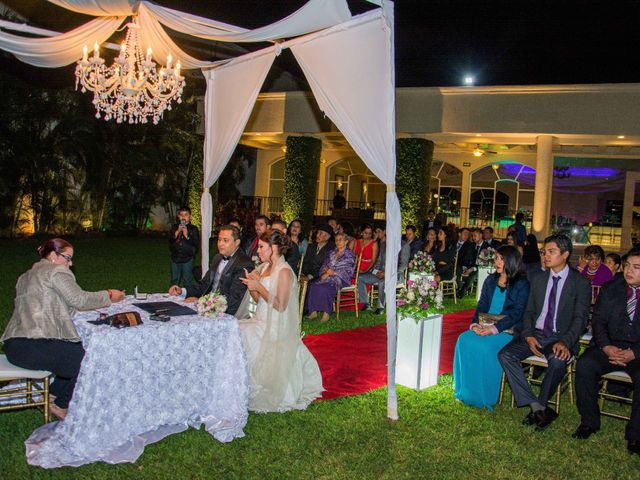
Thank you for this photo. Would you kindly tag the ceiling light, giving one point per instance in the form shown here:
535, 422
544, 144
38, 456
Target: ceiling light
620, 137
478, 152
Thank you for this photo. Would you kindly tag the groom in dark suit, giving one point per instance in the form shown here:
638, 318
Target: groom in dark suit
224, 273
555, 317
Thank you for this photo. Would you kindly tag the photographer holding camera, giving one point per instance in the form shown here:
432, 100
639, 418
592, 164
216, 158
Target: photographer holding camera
184, 239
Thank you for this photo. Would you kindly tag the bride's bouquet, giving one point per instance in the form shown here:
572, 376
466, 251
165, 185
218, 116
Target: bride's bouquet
422, 264
212, 305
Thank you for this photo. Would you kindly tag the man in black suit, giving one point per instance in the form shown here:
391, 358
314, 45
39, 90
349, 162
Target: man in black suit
415, 244
432, 221
556, 315
489, 241
317, 252
615, 346
224, 273
468, 261
261, 224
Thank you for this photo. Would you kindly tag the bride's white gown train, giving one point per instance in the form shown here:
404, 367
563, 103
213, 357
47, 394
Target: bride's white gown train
300, 370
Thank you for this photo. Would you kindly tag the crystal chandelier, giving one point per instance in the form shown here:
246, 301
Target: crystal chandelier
131, 89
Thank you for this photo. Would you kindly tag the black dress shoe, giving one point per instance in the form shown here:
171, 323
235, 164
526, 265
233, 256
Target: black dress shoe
530, 419
379, 311
634, 447
583, 432
545, 418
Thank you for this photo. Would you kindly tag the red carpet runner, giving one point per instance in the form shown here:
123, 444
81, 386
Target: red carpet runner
355, 361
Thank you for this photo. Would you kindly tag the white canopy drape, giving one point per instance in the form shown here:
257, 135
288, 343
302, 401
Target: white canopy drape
232, 90
66, 48
358, 94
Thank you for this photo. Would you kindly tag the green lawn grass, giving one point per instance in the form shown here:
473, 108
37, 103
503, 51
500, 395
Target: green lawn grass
436, 436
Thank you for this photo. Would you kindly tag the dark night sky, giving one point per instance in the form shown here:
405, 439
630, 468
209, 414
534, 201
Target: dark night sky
439, 41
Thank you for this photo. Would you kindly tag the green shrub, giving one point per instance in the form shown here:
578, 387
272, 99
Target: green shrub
301, 167
413, 172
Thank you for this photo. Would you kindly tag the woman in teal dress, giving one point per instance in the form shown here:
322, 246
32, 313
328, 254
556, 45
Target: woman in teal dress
476, 370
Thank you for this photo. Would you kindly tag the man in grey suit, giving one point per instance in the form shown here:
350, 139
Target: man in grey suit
555, 317
224, 273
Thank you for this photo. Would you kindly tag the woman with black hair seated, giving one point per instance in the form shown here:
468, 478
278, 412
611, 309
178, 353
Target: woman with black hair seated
476, 369
443, 256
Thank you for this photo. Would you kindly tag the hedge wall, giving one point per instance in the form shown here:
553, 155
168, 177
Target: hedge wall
301, 167
413, 173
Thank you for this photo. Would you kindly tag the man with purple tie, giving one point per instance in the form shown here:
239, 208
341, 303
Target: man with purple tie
615, 346
556, 315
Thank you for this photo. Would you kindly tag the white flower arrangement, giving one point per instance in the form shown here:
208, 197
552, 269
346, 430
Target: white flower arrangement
419, 298
422, 264
212, 305
487, 257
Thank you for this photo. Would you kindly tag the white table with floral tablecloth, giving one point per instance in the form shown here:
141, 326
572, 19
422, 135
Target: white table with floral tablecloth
140, 384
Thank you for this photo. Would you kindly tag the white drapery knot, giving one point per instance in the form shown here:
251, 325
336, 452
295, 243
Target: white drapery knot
205, 190
391, 187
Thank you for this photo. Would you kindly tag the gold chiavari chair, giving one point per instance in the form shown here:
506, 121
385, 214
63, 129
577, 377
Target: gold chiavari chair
9, 373
341, 301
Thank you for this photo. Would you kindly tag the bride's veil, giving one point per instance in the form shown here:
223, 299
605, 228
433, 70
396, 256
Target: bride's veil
278, 348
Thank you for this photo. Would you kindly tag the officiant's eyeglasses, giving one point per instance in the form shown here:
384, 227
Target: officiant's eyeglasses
68, 258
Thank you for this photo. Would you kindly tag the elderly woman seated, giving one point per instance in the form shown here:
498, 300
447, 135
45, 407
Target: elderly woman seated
476, 369
40, 334
335, 273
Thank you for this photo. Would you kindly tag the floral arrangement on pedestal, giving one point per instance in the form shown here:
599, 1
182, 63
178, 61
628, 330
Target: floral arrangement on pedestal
422, 264
487, 258
419, 298
212, 305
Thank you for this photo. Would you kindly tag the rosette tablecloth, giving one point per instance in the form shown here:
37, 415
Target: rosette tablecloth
137, 385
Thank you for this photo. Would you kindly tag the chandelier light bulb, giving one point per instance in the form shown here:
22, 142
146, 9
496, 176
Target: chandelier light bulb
85, 52
96, 50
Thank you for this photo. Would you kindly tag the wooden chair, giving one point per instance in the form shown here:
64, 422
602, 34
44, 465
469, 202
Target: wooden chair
604, 396
529, 364
341, 301
373, 293
9, 372
300, 268
302, 296
449, 287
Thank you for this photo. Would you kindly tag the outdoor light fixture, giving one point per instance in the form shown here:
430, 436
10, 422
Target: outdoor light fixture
468, 80
131, 89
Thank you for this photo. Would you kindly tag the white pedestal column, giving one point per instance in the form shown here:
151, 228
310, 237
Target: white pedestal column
418, 357
483, 273
543, 186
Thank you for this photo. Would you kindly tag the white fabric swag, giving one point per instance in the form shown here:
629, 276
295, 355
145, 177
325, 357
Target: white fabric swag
232, 90
66, 48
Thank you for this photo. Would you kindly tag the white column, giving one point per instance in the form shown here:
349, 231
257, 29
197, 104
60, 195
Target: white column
543, 188
465, 197
627, 209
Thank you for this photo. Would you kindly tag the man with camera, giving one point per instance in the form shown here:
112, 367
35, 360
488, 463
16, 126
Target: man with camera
184, 239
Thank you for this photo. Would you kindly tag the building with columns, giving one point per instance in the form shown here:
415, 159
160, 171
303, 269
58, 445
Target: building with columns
566, 155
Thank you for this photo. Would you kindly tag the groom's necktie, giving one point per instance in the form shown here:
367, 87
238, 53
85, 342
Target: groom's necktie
551, 308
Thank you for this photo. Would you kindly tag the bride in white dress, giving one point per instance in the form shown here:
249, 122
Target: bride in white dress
283, 373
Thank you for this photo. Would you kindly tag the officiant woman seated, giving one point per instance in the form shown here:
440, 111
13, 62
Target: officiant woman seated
476, 370
40, 334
